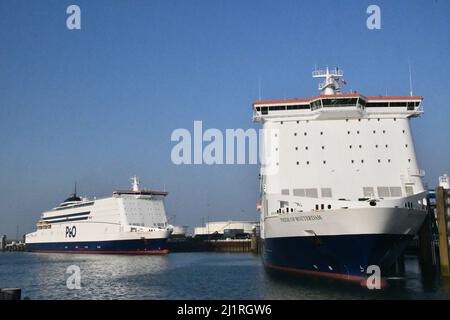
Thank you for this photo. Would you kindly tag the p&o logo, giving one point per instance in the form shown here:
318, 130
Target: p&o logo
71, 232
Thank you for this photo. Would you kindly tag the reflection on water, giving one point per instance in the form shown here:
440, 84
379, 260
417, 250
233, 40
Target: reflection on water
192, 276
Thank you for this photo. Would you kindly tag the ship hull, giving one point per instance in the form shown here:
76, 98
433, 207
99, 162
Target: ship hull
342, 257
339, 244
135, 246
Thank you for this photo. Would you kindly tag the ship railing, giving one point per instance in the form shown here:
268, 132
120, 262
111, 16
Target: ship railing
406, 179
416, 172
322, 73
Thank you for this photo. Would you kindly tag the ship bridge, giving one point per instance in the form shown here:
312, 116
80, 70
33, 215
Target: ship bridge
332, 104
352, 105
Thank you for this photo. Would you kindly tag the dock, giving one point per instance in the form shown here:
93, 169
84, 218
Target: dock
191, 244
10, 246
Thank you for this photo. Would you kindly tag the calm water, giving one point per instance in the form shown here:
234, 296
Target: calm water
189, 276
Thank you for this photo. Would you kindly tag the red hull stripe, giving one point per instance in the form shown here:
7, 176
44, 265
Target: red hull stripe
330, 275
165, 251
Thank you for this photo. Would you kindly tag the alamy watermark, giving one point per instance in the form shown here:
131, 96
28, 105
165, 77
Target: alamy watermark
234, 146
374, 20
73, 21
374, 279
74, 280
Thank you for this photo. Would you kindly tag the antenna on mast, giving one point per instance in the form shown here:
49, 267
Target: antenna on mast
135, 183
330, 84
410, 79
75, 189
259, 88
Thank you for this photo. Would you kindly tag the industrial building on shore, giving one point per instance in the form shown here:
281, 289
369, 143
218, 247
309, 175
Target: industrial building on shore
227, 229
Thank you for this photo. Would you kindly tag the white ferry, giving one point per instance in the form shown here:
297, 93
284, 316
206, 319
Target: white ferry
129, 222
346, 192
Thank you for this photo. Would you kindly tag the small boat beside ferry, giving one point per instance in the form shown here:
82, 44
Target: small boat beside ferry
129, 222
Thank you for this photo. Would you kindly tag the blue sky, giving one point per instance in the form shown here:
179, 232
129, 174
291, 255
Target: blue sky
98, 105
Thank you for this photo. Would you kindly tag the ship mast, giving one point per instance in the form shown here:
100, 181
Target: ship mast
330, 84
135, 183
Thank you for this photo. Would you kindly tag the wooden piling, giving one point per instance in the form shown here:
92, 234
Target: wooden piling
442, 218
426, 253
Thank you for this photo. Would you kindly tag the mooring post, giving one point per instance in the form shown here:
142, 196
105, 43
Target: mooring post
426, 245
443, 231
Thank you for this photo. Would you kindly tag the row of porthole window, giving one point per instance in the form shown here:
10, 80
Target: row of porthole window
322, 206
346, 120
286, 210
409, 205
352, 161
350, 146
348, 132
368, 119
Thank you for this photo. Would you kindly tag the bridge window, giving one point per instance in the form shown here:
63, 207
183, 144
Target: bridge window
397, 104
377, 105
277, 108
339, 102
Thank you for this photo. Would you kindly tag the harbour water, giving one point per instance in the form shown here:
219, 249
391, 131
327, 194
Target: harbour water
190, 276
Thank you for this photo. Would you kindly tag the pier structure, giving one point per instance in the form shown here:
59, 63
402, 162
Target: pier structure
3, 243
10, 294
443, 214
